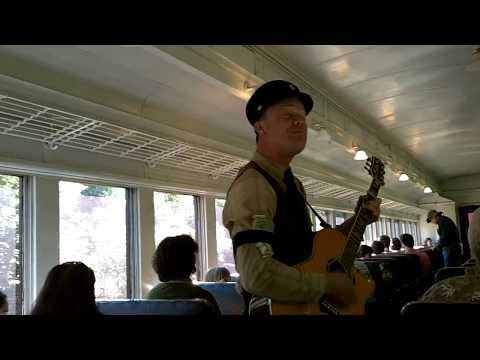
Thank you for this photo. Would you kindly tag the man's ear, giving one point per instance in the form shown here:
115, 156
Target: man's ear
259, 129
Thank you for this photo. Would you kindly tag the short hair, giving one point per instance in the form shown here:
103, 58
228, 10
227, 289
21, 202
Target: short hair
3, 298
396, 244
69, 289
378, 247
175, 258
385, 239
407, 240
364, 250
217, 274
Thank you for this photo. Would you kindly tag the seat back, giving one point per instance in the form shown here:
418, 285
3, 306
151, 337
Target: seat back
156, 307
228, 299
447, 272
438, 310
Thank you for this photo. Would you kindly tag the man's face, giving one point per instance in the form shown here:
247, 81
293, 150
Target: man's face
433, 220
284, 126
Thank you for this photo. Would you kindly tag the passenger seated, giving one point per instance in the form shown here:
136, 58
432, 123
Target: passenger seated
465, 288
174, 262
364, 252
3, 304
68, 290
428, 243
408, 243
396, 245
218, 274
385, 239
378, 247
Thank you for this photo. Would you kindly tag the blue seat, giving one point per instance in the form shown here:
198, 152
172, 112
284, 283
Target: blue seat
228, 299
156, 307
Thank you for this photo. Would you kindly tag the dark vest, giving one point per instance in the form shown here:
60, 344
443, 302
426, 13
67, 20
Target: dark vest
293, 237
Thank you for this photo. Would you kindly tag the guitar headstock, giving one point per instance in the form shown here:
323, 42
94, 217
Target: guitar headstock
376, 169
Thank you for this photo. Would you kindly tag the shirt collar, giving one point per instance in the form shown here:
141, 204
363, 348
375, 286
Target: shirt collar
271, 167
178, 282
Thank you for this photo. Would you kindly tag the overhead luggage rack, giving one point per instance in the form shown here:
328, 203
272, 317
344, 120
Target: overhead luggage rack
56, 128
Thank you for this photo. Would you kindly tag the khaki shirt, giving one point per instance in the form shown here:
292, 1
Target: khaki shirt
251, 205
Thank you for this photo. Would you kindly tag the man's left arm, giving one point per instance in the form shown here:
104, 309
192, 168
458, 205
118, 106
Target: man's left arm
373, 210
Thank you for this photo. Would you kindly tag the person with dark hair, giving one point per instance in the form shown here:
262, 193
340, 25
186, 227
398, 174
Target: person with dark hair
3, 304
218, 274
385, 239
69, 290
428, 243
364, 251
378, 247
174, 262
396, 244
448, 238
408, 244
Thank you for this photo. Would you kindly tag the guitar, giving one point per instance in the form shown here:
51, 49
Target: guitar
335, 251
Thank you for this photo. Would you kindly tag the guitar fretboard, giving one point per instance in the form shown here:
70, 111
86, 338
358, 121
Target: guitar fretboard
354, 238
355, 235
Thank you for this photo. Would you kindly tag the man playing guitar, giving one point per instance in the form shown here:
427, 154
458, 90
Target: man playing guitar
265, 211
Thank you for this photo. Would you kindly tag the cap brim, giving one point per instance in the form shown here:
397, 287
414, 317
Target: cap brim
307, 102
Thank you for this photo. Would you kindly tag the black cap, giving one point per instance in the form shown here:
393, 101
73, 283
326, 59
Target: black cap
271, 93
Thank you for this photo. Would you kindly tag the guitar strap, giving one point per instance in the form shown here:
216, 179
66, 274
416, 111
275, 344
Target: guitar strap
323, 223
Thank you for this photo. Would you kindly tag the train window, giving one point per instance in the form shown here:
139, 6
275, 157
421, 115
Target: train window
396, 226
382, 226
367, 235
325, 216
339, 218
224, 243
174, 215
93, 229
10, 242
388, 227
415, 234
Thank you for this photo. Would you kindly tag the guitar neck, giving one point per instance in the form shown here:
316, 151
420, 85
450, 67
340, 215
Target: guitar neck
357, 229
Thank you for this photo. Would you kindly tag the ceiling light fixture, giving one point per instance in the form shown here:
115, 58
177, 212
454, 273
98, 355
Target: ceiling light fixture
360, 155
427, 190
403, 177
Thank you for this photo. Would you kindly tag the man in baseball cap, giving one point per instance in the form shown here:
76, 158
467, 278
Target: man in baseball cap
271, 93
266, 213
448, 238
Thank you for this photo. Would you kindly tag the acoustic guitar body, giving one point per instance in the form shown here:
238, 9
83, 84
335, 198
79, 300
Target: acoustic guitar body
328, 245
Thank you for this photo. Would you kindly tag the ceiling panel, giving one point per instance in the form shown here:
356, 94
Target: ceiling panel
424, 96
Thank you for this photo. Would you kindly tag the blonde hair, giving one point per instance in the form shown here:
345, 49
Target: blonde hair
474, 234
